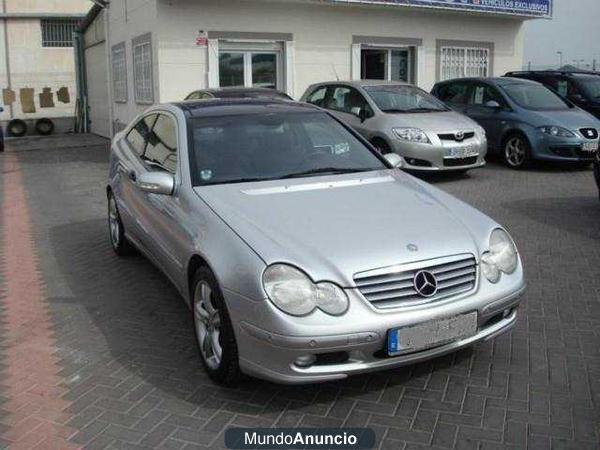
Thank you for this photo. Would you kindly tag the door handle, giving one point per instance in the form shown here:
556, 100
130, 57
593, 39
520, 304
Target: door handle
132, 175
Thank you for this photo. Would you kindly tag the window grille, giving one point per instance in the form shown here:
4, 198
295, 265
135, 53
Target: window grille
119, 72
459, 62
58, 32
142, 61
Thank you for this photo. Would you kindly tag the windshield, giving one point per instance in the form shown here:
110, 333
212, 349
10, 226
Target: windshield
270, 146
402, 98
591, 87
535, 97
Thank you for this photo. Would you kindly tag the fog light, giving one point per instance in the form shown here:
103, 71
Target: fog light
305, 360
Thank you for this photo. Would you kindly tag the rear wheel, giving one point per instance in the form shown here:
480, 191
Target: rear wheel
116, 231
517, 151
381, 146
213, 329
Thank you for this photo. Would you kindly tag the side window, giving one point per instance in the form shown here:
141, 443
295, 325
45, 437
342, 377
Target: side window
453, 93
193, 96
483, 93
162, 144
317, 97
347, 100
137, 136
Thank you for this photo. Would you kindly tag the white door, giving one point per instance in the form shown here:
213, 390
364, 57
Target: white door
250, 65
387, 64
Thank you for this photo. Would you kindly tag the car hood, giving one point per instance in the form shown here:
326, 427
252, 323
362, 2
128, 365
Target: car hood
435, 122
335, 226
572, 119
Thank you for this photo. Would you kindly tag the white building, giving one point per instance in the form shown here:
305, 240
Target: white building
37, 70
161, 50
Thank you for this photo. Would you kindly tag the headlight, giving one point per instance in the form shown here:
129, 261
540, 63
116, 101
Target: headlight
292, 291
412, 135
501, 258
556, 131
480, 131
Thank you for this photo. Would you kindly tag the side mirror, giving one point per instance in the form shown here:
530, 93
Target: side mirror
162, 183
394, 160
364, 114
578, 98
493, 104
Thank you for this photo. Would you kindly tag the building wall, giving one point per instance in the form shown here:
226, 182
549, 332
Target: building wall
125, 22
322, 37
94, 42
34, 66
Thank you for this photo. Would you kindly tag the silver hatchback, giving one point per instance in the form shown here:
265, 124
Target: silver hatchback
304, 254
401, 118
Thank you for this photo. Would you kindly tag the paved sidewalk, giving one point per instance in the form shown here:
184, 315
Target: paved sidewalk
98, 352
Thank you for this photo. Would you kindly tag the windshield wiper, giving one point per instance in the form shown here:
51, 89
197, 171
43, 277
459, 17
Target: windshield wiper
392, 110
322, 170
423, 110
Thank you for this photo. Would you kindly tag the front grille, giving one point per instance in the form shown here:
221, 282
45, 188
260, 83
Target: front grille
393, 287
452, 136
589, 133
455, 162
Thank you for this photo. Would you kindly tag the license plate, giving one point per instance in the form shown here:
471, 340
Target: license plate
590, 147
461, 152
430, 334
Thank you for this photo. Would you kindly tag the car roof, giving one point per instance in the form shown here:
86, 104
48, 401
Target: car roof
363, 83
241, 91
234, 106
500, 81
574, 74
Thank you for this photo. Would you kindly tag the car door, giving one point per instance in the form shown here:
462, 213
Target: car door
346, 103
487, 107
163, 215
454, 94
133, 146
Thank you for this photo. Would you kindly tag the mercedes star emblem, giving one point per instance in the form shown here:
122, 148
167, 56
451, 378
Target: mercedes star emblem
425, 283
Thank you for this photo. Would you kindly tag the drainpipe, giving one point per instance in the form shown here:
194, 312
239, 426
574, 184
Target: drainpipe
7, 59
81, 81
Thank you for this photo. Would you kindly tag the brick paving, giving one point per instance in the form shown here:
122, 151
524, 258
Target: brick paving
110, 361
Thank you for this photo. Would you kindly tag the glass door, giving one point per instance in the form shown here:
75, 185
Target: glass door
231, 69
264, 70
386, 64
249, 69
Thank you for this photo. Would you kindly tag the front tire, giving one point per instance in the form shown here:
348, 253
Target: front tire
516, 151
116, 231
213, 330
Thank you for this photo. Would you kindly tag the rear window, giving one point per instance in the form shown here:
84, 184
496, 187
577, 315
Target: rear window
535, 97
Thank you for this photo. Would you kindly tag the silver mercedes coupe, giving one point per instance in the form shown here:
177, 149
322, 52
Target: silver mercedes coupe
304, 254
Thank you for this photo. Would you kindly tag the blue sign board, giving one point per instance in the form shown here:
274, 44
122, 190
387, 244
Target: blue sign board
537, 8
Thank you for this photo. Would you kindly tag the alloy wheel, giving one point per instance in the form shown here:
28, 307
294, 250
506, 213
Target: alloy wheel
515, 152
208, 325
113, 222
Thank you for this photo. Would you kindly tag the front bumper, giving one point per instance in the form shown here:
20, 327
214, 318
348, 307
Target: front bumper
562, 149
272, 355
435, 157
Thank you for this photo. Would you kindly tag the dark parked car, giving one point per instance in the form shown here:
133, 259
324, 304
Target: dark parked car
524, 120
264, 93
582, 88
